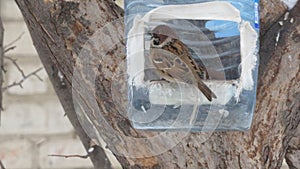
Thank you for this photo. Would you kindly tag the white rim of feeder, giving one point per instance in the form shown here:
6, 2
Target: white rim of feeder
198, 11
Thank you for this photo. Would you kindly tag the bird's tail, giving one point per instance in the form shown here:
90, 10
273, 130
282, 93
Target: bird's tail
206, 91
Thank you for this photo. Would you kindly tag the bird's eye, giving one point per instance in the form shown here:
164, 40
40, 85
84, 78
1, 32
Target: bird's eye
156, 41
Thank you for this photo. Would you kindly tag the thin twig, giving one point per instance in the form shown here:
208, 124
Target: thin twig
70, 156
14, 61
38, 77
24, 77
1, 165
19, 83
3, 69
14, 41
10, 48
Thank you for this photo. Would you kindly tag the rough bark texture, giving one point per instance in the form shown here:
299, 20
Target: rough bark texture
50, 37
270, 12
293, 150
61, 30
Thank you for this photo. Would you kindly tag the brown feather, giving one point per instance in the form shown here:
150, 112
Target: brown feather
174, 62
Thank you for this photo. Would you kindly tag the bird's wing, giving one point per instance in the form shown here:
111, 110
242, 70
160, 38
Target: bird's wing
197, 72
171, 65
175, 63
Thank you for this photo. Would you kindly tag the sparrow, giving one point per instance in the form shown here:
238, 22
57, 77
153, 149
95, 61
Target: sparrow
173, 61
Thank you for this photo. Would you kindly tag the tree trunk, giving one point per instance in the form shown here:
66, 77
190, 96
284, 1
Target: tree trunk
84, 41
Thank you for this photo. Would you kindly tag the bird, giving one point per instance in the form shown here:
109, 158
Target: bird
173, 61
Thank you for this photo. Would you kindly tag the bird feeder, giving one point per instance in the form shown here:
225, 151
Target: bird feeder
221, 37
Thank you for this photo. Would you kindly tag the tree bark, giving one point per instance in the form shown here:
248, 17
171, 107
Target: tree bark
62, 33
293, 150
270, 12
49, 39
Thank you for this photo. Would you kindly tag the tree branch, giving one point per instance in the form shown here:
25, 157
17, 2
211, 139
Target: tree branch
70, 156
14, 41
24, 77
9, 47
47, 42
